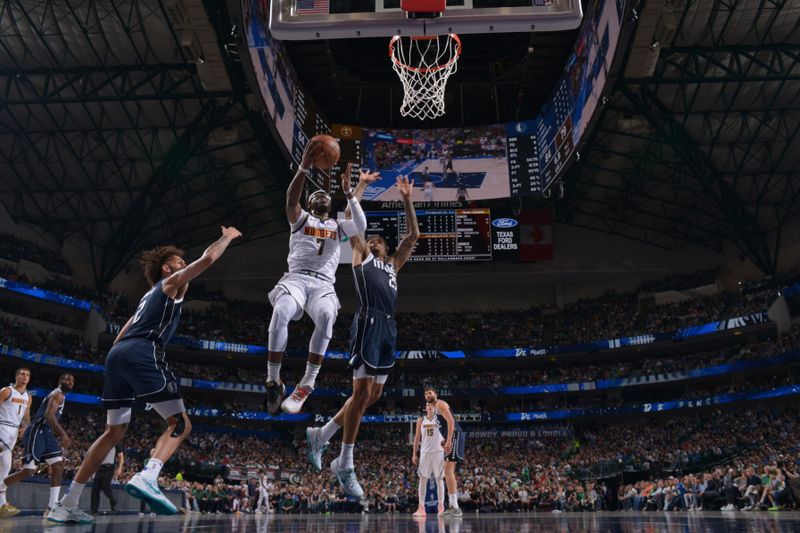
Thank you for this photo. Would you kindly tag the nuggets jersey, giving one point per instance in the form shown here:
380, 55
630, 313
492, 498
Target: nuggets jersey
376, 285
13, 410
156, 317
432, 437
314, 245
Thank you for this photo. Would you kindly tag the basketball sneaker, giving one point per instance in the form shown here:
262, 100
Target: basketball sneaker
453, 511
7, 510
276, 392
420, 512
294, 403
347, 480
440, 510
61, 515
315, 448
147, 490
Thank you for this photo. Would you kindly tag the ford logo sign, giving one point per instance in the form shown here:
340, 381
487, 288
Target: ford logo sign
504, 223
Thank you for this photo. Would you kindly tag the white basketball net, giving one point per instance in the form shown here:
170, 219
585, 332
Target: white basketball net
424, 64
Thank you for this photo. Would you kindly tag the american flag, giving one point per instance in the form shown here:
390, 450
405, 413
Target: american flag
312, 7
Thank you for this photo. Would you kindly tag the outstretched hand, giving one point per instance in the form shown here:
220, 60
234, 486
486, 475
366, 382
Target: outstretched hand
405, 185
230, 232
310, 154
346, 178
367, 177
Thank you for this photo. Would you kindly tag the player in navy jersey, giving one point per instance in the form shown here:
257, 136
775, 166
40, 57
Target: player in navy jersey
40, 443
453, 447
136, 370
373, 336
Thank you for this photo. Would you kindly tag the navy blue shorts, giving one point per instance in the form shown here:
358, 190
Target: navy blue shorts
39, 443
136, 370
456, 455
373, 340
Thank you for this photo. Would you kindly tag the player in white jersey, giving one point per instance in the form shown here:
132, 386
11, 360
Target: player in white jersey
429, 444
15, 416
314, 249
264, 487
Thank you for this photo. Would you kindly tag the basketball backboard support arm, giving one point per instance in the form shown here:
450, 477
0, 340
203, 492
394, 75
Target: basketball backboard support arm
287, 23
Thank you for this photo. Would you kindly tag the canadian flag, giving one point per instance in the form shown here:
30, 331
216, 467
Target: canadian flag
536, 235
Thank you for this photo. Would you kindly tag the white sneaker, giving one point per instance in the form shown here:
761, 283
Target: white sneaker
315, 447
347, 480
145, 489
61, 515
295, 401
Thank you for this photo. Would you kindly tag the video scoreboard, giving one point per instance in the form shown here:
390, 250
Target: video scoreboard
445, 234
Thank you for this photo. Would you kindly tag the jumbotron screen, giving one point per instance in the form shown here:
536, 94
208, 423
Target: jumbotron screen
493, 161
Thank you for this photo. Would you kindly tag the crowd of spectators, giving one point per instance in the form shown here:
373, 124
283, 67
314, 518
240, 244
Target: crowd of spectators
733, 459
679, 282
15, 248
17, 334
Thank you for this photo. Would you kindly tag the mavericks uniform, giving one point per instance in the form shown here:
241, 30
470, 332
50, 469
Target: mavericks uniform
431, 456
136, 366
40, 445
314, 249
373, 334
456, 455
12, 412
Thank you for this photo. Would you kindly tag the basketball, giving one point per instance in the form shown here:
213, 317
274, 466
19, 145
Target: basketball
330, 151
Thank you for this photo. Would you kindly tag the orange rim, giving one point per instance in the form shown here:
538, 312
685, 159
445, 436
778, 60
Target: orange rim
424, 70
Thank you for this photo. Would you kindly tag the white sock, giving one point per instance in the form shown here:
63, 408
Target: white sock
423, 489
152, 469
327, 431
440, 491
310, 377
273, 371
346, 457
73, 496
53, 497
453, 500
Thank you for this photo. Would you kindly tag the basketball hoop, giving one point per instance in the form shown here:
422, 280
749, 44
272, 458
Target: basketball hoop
424, 64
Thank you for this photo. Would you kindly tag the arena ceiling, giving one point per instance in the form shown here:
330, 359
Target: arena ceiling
129, 123
698, 140
126, 124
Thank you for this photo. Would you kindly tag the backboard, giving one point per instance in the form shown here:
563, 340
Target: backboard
344, 19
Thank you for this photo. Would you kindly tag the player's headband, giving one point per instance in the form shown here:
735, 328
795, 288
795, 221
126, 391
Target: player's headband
316, 195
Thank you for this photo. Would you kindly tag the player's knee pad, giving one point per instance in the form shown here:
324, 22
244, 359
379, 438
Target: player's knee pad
283, 312
320, 340
169, 408
323, 327
118, 417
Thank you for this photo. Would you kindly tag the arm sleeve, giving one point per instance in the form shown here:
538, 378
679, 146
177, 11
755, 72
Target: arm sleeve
358, 224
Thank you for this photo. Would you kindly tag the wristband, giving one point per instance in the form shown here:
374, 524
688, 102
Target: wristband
349, 194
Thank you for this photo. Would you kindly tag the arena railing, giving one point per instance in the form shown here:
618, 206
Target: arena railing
782, 392
718, 326
49, 296
411, 392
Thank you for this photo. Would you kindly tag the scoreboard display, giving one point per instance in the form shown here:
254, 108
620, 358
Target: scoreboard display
445, 234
